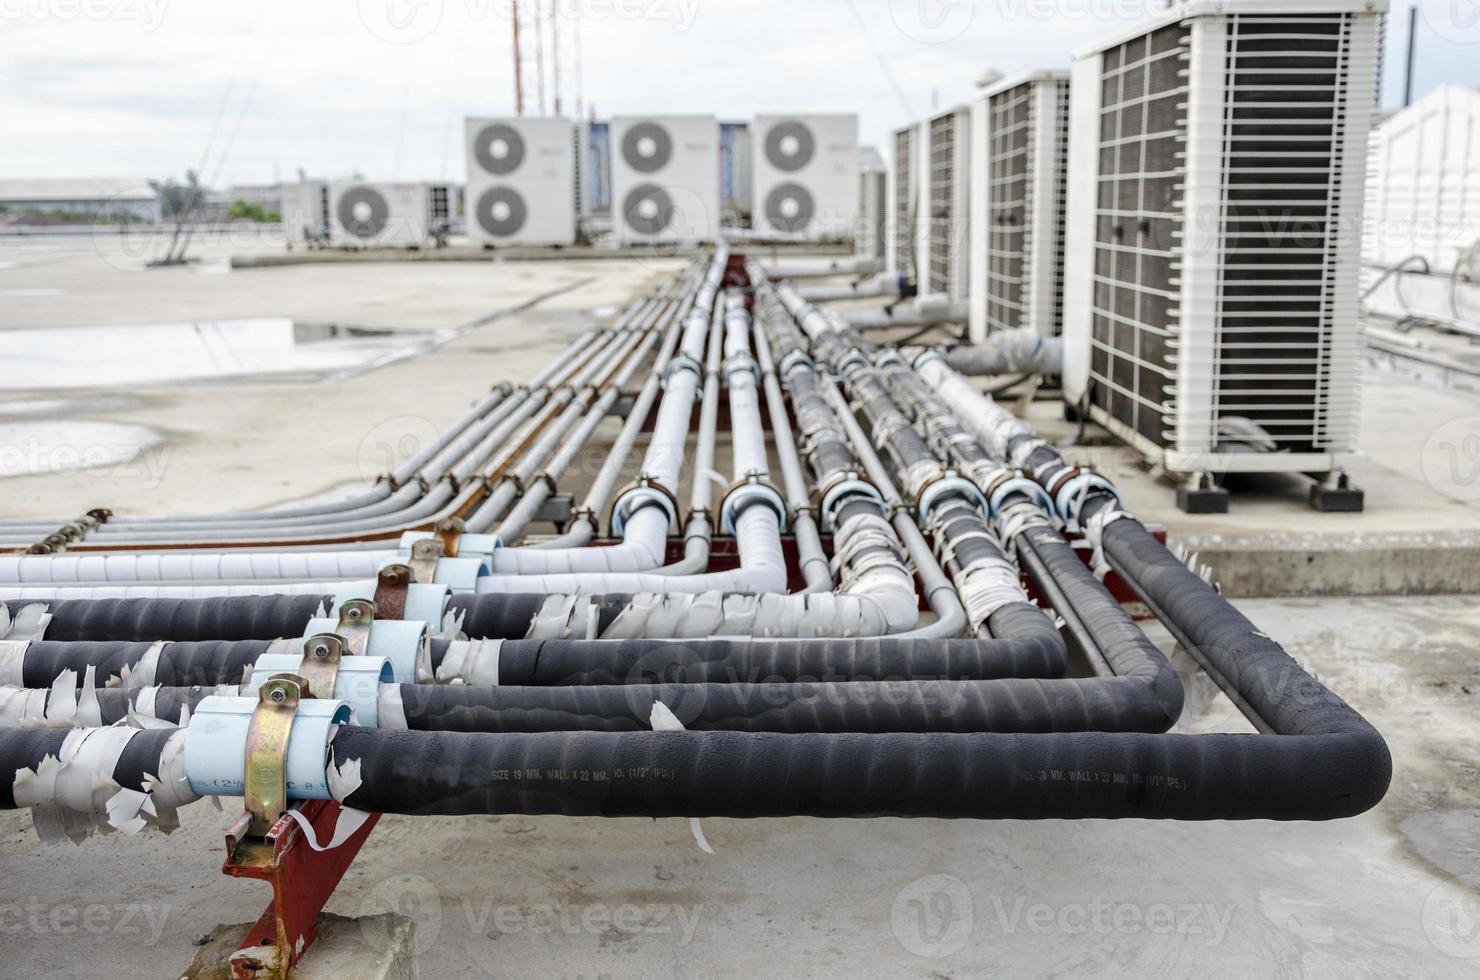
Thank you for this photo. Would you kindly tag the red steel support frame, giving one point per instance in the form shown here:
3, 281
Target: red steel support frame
302, 880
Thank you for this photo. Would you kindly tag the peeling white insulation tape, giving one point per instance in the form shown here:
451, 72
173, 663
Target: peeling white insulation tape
695, 615
390, 709
1094, 533
72, 795
343, 780
28, 624
473, 662
664, 720
12, 659
140, 674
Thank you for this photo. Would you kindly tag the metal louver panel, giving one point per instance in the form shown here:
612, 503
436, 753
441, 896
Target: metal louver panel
1285, 126
872, 206
944, 238
1061, 203
1009, 128
1143, 120
904, 202
1230, 164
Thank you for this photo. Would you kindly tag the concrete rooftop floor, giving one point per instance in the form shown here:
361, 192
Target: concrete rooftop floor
1394, 893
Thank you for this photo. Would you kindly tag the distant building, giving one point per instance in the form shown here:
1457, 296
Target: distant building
126, 198
269, 197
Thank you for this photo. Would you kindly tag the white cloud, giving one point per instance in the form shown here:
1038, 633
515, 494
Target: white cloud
317, 84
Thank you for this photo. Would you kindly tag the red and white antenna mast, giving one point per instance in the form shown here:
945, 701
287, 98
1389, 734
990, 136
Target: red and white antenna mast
518, 64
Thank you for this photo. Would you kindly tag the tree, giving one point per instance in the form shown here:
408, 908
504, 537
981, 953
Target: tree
178, 202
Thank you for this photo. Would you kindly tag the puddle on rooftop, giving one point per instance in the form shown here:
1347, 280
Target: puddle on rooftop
69, 446
276, 349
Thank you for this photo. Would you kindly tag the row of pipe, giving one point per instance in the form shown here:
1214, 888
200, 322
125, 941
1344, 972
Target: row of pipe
868, 646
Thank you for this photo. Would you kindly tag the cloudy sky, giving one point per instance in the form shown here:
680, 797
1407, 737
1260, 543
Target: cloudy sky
250, 91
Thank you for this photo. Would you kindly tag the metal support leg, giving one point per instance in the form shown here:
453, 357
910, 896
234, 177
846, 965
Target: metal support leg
302, 880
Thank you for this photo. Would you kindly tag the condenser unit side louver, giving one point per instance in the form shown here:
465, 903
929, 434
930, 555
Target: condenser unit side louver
1227, 156
904, 208
1018, 186
948, 139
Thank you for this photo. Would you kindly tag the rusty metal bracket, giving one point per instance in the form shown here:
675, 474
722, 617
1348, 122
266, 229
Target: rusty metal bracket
449, 530
266, 776
424, 557
321, 655
390, 591
355, 617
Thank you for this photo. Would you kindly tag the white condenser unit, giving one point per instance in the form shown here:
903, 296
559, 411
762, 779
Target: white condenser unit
522, 182
945, 253
305, 211
906, 208
873, 203
365, 215
665, 179
1216, 184
1019, 170
1423, 211
805, 174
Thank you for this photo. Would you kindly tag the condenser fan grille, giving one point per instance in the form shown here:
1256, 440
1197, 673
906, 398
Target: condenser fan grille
646, 147
501, 211
790, 146
499, 149
648, 209
789, 207
363, 212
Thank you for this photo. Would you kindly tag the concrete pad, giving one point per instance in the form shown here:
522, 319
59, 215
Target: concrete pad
375, 947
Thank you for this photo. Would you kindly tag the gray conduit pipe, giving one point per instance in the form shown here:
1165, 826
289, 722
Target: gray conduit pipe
923, 312
816, 571
1021, 351
174, 568
480, 440
644, 520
